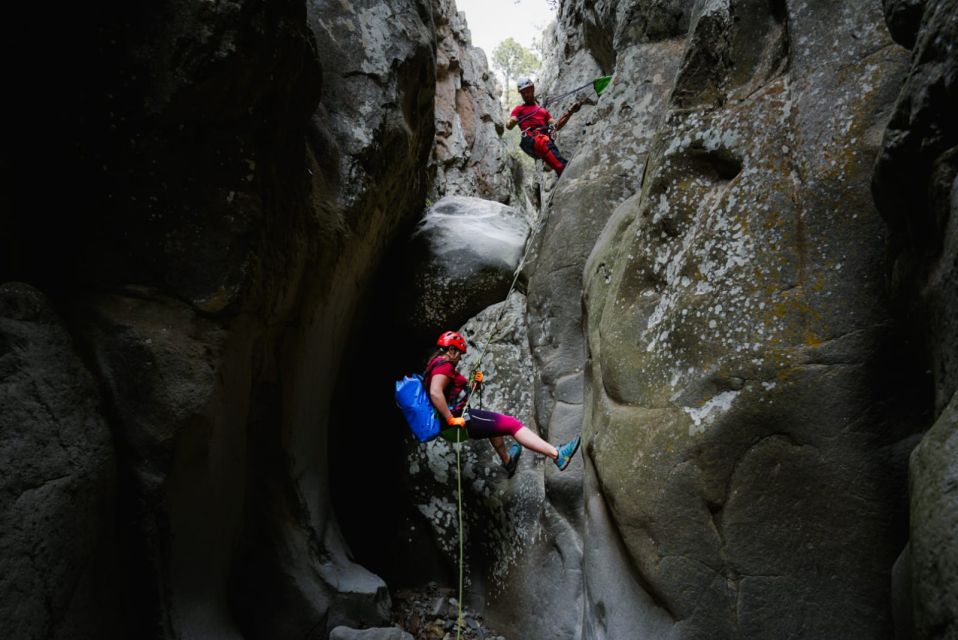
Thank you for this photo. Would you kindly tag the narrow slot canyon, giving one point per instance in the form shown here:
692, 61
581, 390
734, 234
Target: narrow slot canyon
714, 242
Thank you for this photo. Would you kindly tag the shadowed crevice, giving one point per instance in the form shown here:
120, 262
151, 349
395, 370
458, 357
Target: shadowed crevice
719, 165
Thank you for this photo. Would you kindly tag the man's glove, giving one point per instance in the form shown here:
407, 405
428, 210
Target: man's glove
478, 377
453, 421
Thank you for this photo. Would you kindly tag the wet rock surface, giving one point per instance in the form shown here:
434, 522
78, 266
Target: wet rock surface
381, 633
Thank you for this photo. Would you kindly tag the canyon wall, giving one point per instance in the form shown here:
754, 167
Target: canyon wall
232, 172
751, 391
741, 291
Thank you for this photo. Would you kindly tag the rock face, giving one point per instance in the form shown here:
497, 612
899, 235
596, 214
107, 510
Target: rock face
58, 480
904, 19
391, 633
609, 144
934, 520
469, 158
916, 186
738, 276
502, 516
240, 162
200, 441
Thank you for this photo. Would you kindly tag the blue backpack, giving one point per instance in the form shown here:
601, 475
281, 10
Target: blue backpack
413, 398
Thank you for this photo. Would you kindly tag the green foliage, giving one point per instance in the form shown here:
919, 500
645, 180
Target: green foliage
511, 98
513, 60
512, 148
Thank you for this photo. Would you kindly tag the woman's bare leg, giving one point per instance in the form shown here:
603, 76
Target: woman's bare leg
499, 444
528, 439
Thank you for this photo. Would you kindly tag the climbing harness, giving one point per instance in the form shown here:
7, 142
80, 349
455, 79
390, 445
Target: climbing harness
543, 137
540, 145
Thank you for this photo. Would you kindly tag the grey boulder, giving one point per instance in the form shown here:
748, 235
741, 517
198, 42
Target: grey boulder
934, 521
469, 251
57, 480
381, 633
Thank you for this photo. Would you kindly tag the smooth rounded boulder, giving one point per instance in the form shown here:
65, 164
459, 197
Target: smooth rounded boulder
466, 253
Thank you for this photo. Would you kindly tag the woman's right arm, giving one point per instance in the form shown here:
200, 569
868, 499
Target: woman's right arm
437, 388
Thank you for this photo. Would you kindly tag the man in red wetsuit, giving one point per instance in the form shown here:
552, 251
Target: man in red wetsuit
537, 125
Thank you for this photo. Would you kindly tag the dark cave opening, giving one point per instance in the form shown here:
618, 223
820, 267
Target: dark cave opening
368, 438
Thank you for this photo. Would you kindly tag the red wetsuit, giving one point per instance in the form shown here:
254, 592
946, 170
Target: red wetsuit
481, 424
533, 121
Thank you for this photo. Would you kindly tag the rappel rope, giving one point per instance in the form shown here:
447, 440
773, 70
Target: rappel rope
502, 310
550, 99
457, 445
599, 84
462, 563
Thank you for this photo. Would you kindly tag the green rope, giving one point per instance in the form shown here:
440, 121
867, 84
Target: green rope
598, 85
462, 563
457, 445
502, 312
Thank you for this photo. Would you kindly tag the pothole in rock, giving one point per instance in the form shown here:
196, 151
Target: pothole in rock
429, 613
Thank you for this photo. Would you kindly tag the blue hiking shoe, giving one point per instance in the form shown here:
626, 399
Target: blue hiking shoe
514, 452
566, 451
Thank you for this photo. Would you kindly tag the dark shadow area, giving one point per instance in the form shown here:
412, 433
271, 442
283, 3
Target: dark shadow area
368, 437
719, 165
62, 73
600, 45
55, 142
779, 10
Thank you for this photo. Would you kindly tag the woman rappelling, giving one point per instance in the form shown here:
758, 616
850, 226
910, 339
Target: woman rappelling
449, 392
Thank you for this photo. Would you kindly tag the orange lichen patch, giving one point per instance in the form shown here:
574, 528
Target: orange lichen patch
812, 340
215, 302
784, 375
781, 310
818, 284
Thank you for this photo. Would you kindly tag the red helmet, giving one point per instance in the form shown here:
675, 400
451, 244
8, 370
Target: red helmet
452, 339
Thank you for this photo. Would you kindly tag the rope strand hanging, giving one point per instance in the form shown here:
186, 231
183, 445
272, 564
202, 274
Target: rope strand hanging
599, 85
457, 442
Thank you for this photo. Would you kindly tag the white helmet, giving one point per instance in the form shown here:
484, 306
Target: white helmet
524, 83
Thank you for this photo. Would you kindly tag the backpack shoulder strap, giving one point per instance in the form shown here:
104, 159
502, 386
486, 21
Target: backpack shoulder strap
432, 365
